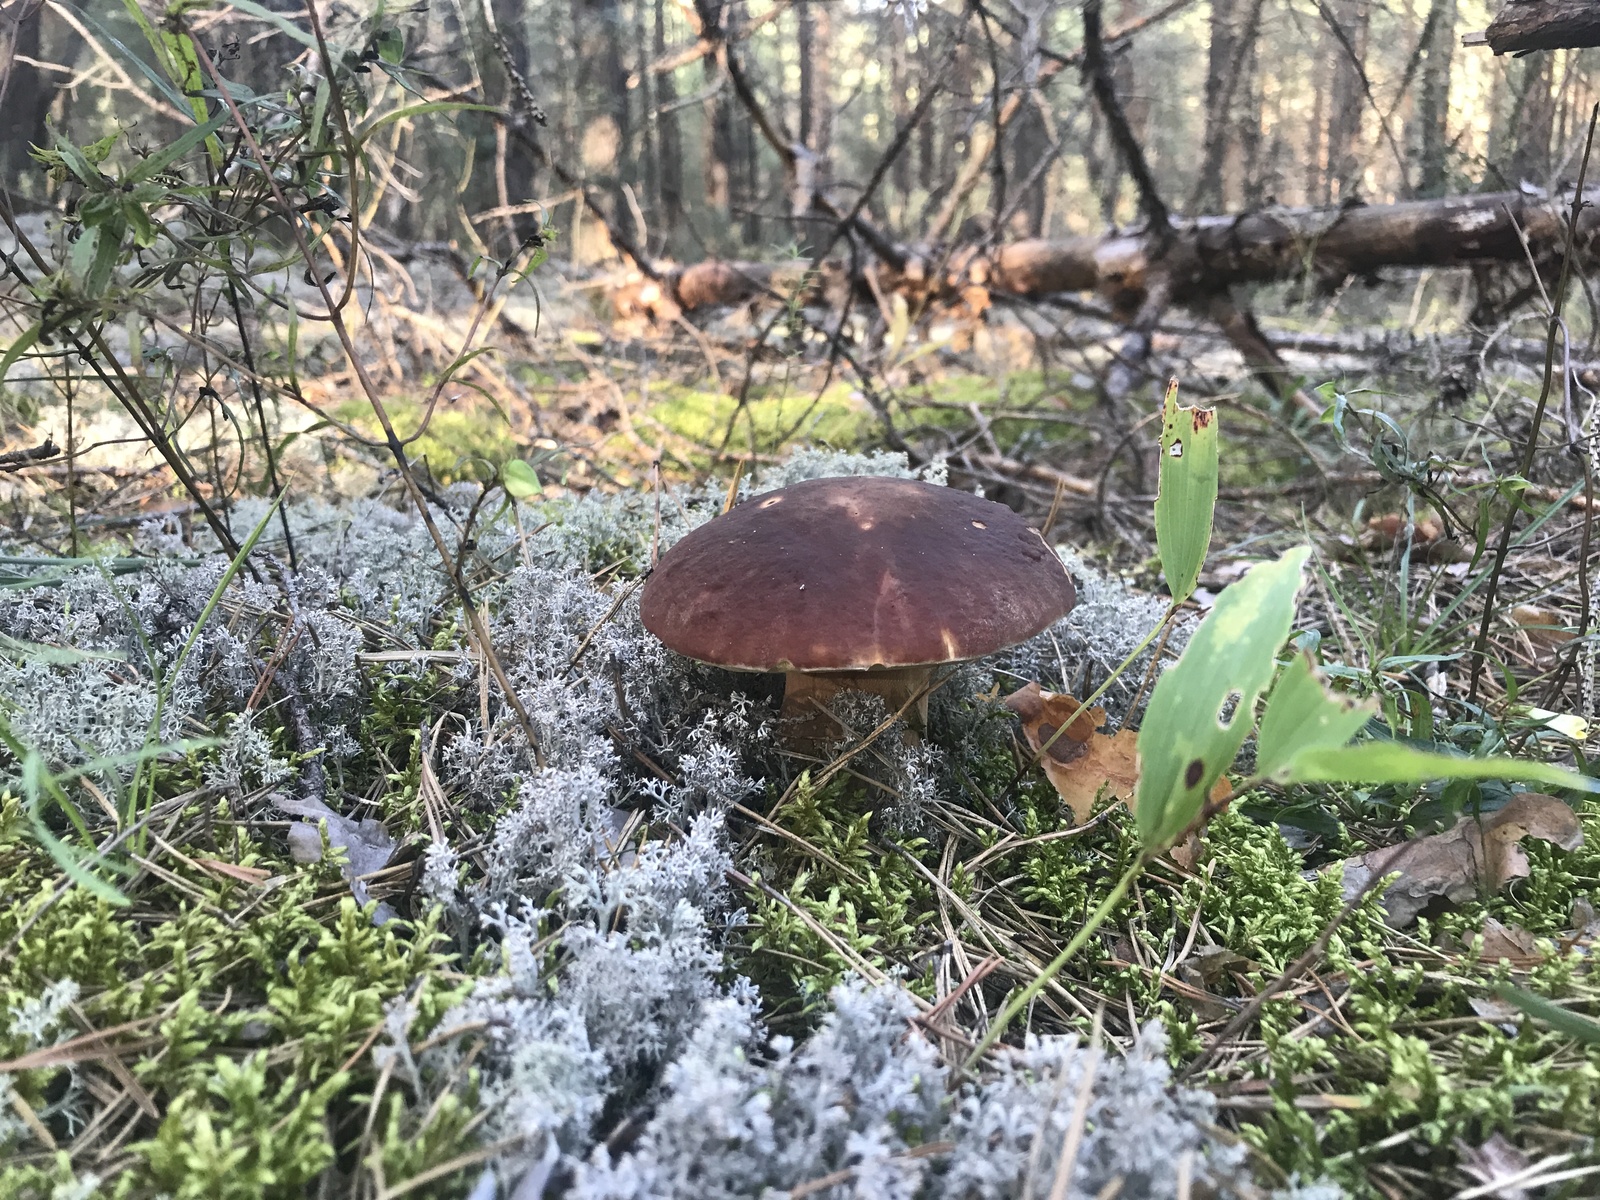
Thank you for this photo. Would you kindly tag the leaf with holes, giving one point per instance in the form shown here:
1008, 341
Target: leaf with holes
1301, 716
1186, 497
1203, 708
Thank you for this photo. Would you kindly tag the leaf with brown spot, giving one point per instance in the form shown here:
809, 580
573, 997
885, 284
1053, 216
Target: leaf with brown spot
1476, 855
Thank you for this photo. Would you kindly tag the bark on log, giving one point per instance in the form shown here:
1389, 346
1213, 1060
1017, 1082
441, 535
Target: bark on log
1208, 255
1526, 25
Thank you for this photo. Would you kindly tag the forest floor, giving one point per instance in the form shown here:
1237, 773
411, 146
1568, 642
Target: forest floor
201, 1006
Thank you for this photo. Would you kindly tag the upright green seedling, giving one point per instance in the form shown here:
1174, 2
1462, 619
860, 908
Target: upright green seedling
1203, 708
1186, 498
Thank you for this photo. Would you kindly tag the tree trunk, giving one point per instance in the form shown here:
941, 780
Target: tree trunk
1433, 106
899, 102
1230, 144
669, 141
1533, 114
1218, 91
26, 94
1348, 21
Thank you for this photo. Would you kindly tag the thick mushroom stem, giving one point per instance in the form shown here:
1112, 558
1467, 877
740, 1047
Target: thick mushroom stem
807, 694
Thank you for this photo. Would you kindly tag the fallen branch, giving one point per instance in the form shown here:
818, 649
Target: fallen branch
15, 460
1523, 26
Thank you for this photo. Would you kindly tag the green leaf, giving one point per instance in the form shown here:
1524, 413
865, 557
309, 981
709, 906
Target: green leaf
1184, 744
239, 560
94, 255
36, 782
1395, 762
18, 348
277, 20
1187, 495
418, 110
174, 51
167, 155
1302, 715
1574, 1025
520, 480
390, 45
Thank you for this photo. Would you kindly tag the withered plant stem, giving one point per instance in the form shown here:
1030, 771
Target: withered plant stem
1480, 646
480, 627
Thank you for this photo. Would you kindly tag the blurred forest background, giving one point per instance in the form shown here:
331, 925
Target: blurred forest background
1238, 104
604, 235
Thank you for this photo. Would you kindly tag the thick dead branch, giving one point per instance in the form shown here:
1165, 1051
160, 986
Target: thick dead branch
1097, 69
1238, 325
1208, 255
1526, 25
15, 460
1214, 253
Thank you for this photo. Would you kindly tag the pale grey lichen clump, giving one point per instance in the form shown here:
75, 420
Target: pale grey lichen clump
622, 1060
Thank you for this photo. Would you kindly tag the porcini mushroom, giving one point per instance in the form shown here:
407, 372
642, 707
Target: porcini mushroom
859, 582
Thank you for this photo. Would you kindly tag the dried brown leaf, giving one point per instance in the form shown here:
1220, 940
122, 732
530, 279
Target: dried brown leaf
1082, 761
1476, 855
1511, 943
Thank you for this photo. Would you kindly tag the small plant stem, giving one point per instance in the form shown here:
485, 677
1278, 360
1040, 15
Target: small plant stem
1026, 996
1480, 645
475, 617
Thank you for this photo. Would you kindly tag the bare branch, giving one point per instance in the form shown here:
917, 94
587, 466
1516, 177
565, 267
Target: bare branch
1097, 70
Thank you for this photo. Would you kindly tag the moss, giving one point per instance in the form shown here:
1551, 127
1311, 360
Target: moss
465, 439
770, 418
255, 1032
871, 900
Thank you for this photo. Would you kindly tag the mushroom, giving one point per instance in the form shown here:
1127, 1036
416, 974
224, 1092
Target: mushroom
859, 582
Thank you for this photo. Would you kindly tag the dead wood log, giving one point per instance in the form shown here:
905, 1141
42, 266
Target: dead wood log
1523, 26
1209, 255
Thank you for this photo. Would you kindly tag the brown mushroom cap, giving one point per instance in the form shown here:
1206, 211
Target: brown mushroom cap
852, 574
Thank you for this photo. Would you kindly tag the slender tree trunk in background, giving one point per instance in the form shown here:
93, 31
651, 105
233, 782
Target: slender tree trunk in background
1316, 160
717, 129
647, 147
927, 154
816, 106
668, 139
1135, 96
1241, 167
747, 195
1218, 93
899, 101
1532, 117
1348, 102
29, 93
602, 82
1030, 142
1433, 103
1029, 131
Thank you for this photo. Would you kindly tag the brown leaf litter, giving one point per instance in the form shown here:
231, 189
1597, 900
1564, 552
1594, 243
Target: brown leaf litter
1478, 855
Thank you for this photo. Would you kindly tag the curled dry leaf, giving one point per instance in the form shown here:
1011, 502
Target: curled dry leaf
1082, 760
1477, 854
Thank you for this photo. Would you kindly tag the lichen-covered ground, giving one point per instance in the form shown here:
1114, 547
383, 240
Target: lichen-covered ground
288, 908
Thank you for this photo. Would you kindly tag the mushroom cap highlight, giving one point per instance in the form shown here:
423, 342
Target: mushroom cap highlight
855, 573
